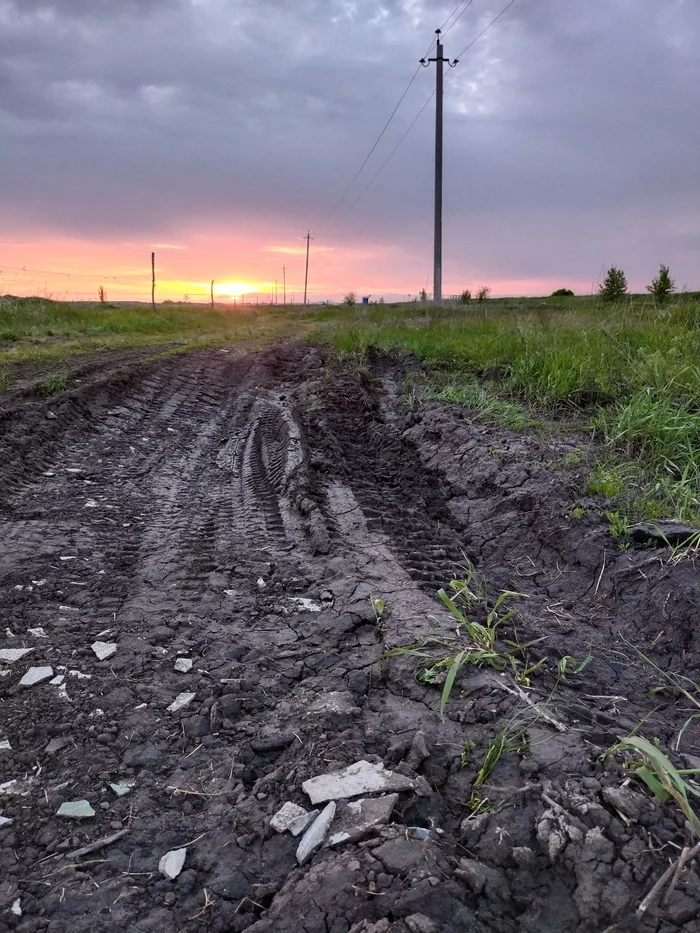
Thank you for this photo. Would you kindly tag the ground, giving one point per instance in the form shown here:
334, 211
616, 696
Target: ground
184, 507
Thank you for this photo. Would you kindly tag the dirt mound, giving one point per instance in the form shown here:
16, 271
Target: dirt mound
222, 523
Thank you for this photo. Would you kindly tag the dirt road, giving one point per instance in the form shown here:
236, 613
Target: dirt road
221, 522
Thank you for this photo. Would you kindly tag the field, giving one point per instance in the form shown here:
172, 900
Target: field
254, 514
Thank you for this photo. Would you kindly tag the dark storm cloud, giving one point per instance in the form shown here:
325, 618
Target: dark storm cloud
564, 117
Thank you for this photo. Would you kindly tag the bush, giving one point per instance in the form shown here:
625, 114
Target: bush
614, 288
350, 299
423, 295
563, 293
465, 297
662, 286
483, 293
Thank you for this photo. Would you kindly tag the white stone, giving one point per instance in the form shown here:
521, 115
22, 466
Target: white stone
37, 632
104, 649
261, 583
35, 675
75, 810
183, 665
313, 838
5, 821
10, 655
171, 863
79, 675
90, 504
67, 558
17, 907
5, 745
291, 818
121, 790
58, 680
308, 604
359, 778
182, 699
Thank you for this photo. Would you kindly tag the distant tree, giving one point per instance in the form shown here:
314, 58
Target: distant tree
563, 293
350, 299
483, 292
423, 295
465, 297
381, 301
662, 286
102, 294
614, 288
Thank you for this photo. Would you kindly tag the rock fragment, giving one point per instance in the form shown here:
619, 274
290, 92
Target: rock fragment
5, 821
75, 810
183, 665
359, 778
35, 675
292, 818
181, 700
104, 649
121, 790
10, 655
171, 863
5, 745
356, 818
313, 838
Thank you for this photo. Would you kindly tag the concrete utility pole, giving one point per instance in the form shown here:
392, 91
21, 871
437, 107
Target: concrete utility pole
284, 284
437, 248
153, 282
306, 277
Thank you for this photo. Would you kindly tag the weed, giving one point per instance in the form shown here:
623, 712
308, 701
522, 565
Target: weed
660, 776
4, 382
465, 754
491, 407
571, 458
605, 481
378, 606
676, 683
568, 665
483, 292
577, 511
52, 386
619, 525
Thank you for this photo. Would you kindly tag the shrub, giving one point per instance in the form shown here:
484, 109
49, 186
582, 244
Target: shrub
614, 288
101, 294
483, 293
662, 286
465, 297
350, 299
423, 295
563, 293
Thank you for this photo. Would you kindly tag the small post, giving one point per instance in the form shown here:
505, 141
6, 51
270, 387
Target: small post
306, 277
212, 294
153, 282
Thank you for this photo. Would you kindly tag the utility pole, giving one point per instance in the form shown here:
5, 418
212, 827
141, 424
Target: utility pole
212, 294
306, 277
153, 282
437, 245
284, 284
276, 291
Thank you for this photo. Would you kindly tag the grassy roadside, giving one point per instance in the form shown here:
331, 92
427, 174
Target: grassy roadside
629, 373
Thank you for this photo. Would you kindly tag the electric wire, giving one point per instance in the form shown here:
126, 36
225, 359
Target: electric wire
486, 29
450, 28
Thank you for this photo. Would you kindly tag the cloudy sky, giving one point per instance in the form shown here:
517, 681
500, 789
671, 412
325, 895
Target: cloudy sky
216, 132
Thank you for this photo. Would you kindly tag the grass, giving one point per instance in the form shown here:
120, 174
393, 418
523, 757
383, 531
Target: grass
628, 372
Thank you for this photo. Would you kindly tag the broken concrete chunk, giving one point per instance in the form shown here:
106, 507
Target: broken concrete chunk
5, 745
313, 838
5, 821
121, 790
183, 665
292, 818
9, 655
37, 632
359, 778
171, 863
75, 810
104, 649
35, 675
16, 908
182, 699
356, 818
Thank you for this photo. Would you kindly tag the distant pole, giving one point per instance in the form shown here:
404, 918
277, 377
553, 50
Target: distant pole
284, 284
437, 243
153, 282
306, 277
212, 294
275, 291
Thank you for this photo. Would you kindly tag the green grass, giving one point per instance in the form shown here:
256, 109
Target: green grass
52, 385
630, 372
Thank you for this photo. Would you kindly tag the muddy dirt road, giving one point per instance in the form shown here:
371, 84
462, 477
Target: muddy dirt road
215, 526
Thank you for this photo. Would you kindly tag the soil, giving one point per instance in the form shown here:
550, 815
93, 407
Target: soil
183, 508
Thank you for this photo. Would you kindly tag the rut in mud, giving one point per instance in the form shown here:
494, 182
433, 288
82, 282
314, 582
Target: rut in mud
241, 512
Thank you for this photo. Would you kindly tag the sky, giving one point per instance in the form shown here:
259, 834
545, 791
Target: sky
216, 133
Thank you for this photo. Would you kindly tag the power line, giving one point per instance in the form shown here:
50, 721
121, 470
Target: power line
458, 19
486, 29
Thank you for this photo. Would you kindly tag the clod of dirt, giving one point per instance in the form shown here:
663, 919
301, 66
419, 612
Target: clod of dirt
663, 533
359, 778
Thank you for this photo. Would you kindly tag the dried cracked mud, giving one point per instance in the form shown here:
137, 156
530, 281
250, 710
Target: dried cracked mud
241, 512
